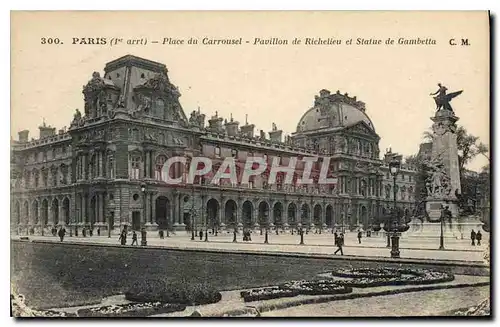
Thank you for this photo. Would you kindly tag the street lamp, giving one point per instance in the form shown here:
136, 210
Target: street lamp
143, 231
441, 236
394, 167
192, 212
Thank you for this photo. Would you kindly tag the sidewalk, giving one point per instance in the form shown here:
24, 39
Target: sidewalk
320, 246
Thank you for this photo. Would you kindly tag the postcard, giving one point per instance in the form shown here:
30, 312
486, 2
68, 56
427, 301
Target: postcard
250, 164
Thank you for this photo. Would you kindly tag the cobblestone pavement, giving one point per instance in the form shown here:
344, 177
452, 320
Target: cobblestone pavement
406, 304
314, 244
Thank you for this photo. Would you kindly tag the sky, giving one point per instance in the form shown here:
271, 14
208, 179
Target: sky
269, 83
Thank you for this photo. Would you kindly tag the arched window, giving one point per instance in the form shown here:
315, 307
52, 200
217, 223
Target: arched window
160, 162
135, 167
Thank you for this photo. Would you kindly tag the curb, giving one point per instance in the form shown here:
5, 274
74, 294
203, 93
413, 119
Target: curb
272, 307
468, 264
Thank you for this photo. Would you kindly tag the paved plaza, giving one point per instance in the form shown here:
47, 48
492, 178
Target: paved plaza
410, 247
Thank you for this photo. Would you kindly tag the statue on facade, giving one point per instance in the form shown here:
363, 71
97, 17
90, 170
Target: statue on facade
77, 115
274, 127
92, 93
262, 135
443, 99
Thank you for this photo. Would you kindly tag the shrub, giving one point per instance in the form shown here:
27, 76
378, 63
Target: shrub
180, 293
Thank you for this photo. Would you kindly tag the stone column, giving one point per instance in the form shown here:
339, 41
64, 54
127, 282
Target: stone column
84, 208
153, 210
50, 212
145, 202
256, 217
62, 221
284, 215
270, 216
222, 214
237, 217
298, 216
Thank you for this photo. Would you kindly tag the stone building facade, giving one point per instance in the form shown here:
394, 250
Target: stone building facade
106, 170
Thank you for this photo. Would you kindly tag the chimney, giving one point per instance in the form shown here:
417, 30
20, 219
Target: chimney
23, 135
215, 123
247, 130
232, 127
275, 135
46, 131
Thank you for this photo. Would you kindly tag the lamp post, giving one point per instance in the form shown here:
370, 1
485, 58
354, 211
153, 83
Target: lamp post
192, 212
394, 167
143, 231
441, 236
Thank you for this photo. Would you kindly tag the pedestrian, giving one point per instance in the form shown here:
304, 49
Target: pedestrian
478, 237
201, 234
342, 238
91, 231
62, 232
134, 238
339, 244
84, 232
335, 237
161, 234
359, 237
123, 237
76, 231
98, 231
473, 237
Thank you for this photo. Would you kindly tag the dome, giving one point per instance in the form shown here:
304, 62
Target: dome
332, 111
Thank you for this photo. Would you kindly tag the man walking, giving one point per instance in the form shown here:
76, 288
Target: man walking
123, 237
359, 237
134, 238
335, 237
473, 237
62, 232
340, 242
478, 237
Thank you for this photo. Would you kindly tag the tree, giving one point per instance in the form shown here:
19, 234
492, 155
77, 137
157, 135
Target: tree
473, 185
469, 147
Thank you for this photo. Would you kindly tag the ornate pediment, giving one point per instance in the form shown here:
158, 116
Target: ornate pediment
361, 128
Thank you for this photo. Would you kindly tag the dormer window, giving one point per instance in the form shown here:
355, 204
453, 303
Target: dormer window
234, 153
217, 151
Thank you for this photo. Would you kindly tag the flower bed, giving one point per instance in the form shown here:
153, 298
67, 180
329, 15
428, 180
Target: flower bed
294, 288
181, 293
394, 277
131, 310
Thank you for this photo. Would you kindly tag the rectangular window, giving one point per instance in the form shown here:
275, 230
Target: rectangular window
136, 168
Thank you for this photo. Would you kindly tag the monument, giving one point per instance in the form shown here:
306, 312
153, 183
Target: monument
443, 183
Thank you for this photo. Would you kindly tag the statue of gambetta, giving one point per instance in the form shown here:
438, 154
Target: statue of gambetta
443, 99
